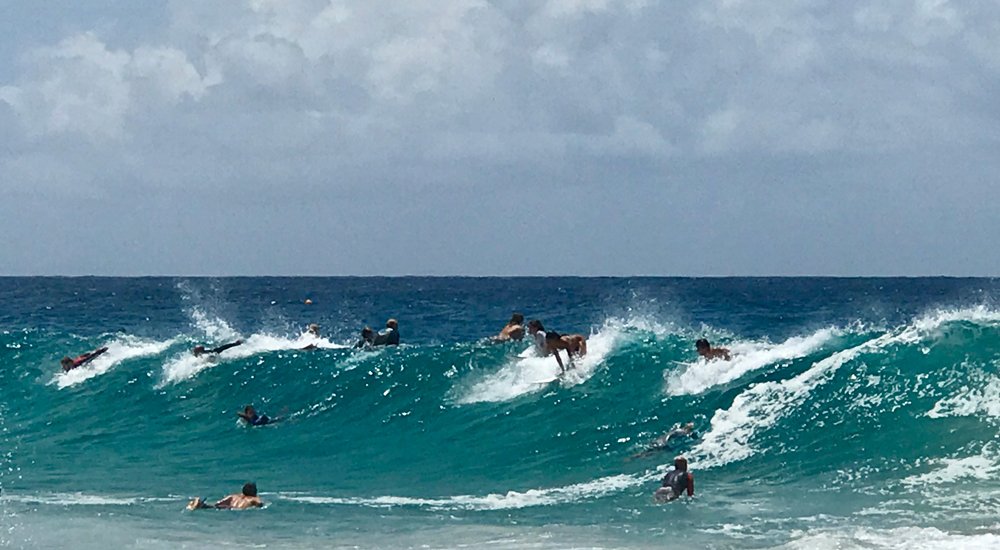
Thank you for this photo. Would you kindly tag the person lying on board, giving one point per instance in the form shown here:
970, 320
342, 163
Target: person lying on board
80, 360
706, 350
198, 351
241, 501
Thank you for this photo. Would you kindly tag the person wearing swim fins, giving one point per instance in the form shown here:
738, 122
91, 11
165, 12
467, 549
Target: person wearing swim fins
250, 416
69, 364
198, 351
677, 482
247, 498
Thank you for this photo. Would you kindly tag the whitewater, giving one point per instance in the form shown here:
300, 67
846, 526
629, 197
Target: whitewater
853, 413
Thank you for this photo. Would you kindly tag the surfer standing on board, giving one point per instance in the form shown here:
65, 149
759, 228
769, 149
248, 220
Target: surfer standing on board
80, 360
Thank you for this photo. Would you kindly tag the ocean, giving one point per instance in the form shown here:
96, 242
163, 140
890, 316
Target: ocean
854, 413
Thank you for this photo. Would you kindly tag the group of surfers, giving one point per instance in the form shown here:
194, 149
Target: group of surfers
674, 484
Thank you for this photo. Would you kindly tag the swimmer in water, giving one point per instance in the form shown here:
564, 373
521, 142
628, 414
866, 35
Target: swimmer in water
514, 330
69, 364
677, 482
246, 499
198, 351
389, 336
250, 416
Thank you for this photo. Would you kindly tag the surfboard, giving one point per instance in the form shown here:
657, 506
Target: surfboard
546, 380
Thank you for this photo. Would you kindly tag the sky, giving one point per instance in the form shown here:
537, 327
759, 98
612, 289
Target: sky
488, 137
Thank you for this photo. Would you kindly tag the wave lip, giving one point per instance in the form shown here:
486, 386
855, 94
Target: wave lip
760, 406
122, 349
748, 357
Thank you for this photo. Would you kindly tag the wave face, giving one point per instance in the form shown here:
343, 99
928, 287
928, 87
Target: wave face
854, 413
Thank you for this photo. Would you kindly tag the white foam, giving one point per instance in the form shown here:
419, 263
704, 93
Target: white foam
77, 499
747, 357
214, 328
975, 400
524, 374
120, 349
494, 501
909, 538
983, 466
186, 365
760, 406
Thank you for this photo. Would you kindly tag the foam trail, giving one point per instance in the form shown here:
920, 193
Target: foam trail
747, 357
526, 375
186, 365
494, 501
122, 349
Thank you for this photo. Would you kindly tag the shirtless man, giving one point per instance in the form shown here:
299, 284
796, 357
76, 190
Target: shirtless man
80, 360
248, 499
574, 344
706, 350
198, 351
514, 330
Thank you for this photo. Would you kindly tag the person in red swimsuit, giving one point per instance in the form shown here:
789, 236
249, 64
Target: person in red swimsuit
80, 360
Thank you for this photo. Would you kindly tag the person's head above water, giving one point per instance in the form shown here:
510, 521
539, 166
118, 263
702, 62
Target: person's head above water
313, 329
250, 489
535, 325
66, 363
198, 350
391, 323
249, 410
681, 463
702, 344
516, 319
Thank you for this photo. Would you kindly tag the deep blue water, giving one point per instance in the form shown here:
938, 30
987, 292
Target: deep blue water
853, 413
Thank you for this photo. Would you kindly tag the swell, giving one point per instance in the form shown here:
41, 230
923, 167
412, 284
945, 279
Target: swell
465, 425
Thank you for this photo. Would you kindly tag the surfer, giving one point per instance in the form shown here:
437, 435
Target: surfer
673, 440
676, 482
574, 344
537, 332
313, 331
513, 330
198, 351
706, 350
250, 416
80, 360
389, 336
246, 499
367, 338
